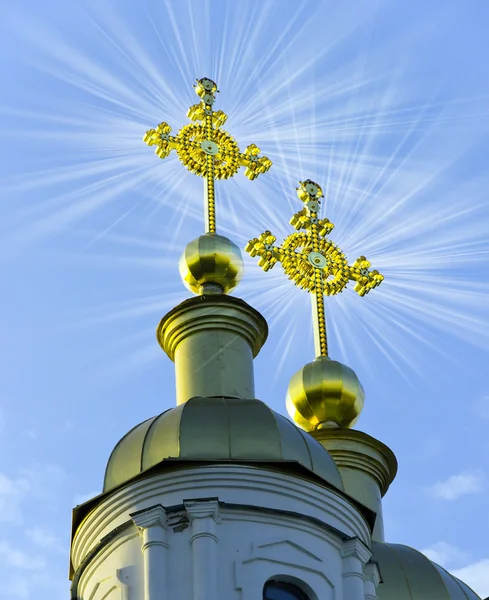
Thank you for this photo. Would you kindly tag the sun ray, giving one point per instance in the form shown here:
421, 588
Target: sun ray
386, 154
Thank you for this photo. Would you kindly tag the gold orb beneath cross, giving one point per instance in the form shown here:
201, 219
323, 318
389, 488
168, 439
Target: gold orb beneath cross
325, 393
211, 264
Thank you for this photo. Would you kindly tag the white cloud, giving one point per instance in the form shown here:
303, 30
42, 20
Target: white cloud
11, 487
44, 539
20, 559
69, 425
12, 492
15, 587
445, 554
482, 407
47, 582
475, 576
41, 483
457, 485
45, 481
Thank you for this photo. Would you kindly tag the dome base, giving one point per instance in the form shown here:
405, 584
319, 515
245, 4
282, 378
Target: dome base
217, 429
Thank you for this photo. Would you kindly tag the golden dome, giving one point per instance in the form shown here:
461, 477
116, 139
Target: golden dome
209, 263
325, 393
409, 575
218, 430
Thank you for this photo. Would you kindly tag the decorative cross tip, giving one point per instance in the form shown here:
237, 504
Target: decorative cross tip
310, 260
204, 148
304, 254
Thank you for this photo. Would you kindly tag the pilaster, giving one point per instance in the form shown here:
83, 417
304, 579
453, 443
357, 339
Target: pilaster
204, 516
355, 555
372, 580
152, 524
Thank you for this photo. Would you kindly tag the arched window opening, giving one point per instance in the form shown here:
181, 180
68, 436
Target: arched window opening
280, 590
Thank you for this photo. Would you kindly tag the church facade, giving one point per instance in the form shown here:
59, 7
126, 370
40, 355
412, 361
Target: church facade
221, 497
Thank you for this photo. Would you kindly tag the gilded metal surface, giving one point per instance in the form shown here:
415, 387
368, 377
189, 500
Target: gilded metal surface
367, 467
211, 259
409, 575
217, 429
210, 312
205, 149
312, 261
324, 393
213, 340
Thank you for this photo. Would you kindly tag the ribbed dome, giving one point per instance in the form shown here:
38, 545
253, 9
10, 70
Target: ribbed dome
409, 575
217, 429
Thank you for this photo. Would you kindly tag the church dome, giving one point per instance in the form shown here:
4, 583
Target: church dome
409, 575
218, 429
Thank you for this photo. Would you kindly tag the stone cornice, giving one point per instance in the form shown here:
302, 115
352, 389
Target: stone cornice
235, 484
354, 548
372, 573
149, 517
202, 509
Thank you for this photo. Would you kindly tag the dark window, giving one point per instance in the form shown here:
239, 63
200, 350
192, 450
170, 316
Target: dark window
278, 590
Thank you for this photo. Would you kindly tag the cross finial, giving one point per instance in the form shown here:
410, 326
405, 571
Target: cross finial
313, 262
205, 149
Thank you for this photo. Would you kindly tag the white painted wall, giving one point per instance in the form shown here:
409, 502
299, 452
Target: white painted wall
224, 551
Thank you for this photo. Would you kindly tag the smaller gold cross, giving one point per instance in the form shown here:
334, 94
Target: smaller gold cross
312, 261
205, 149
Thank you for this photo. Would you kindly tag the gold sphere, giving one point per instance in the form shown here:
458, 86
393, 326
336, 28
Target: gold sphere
211, 264
325, 393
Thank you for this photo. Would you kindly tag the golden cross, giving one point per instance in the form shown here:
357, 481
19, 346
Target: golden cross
205, 149
312, 261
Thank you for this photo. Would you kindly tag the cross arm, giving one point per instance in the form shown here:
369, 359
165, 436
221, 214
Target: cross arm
164, 142
263, 247
161, 138
254, 163
197, 112
304, 220
365, 280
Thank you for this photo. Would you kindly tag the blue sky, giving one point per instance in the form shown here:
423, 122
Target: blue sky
383, 103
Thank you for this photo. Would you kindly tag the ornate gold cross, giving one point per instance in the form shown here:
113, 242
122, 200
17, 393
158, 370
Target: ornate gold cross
312, 261
205, 149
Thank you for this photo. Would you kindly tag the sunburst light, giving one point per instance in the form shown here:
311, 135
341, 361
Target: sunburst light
320, 101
